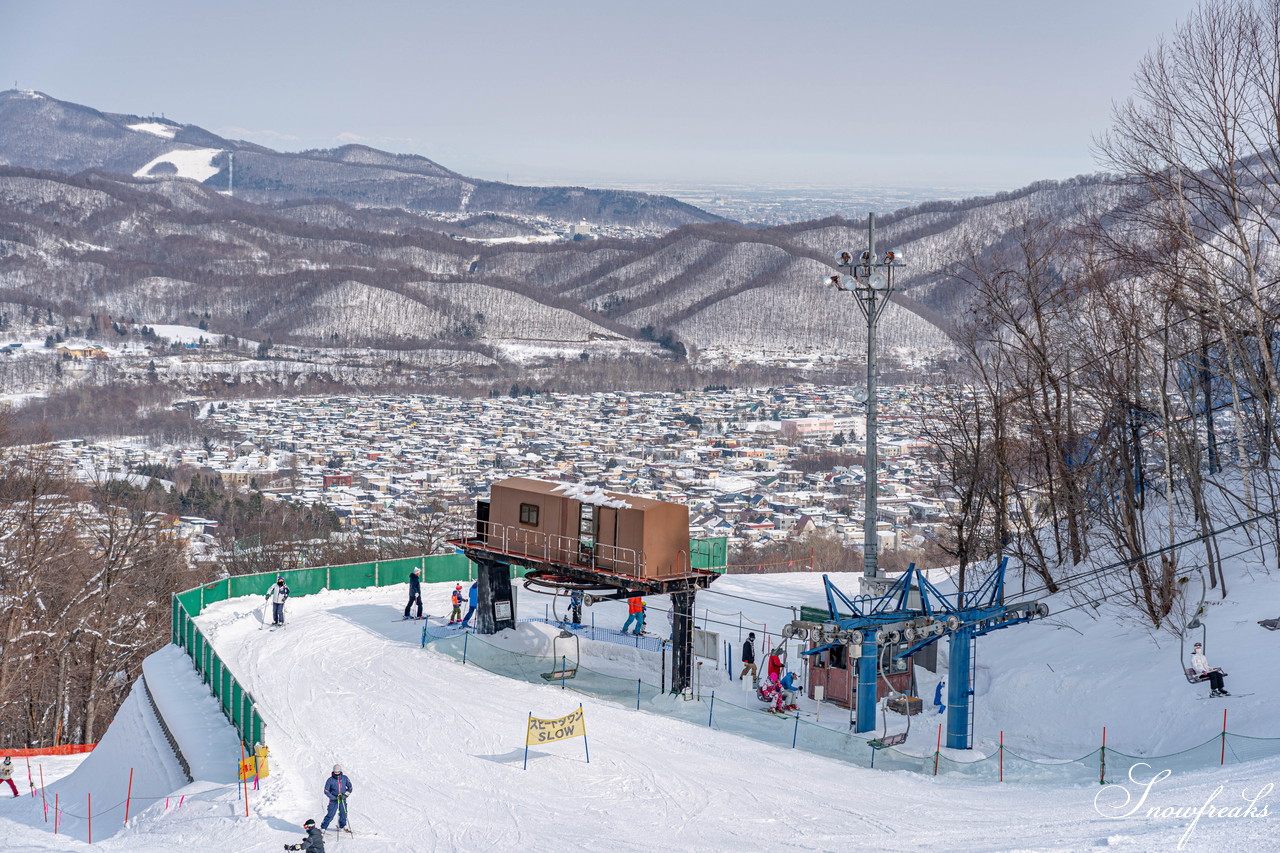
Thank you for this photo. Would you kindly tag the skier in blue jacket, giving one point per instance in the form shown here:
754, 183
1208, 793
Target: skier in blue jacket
473, 597
336, 788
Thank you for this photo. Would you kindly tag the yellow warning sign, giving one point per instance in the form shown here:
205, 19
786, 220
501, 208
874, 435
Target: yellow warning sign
549, 731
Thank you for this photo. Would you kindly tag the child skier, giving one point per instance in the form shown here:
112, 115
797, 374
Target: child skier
6, 774
772, 693
313, 843
278, 594
455, 615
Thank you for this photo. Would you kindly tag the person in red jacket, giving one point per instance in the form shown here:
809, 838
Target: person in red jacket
775, 664
635, 613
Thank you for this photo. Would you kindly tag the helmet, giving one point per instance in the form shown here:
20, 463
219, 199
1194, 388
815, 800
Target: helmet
310, 824
337, 768
8, 760
279, 580
416, 571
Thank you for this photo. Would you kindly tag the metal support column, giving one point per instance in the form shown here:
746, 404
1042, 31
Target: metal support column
496, 603
865, 721
959, 689
682, 639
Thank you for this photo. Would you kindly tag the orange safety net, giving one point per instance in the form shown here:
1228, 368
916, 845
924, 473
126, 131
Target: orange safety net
65, 749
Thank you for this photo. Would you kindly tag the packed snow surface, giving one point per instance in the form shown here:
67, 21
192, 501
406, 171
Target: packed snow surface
434, 748
155, 128
193, 163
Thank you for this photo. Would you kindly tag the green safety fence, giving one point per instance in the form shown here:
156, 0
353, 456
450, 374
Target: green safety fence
237, 704
1103, 765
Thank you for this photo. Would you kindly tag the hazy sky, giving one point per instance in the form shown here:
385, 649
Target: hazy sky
961, 93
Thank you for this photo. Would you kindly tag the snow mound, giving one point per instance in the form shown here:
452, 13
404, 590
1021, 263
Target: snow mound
193, 163
155, 128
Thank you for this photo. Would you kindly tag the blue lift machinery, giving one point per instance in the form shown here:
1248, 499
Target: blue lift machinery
913, 614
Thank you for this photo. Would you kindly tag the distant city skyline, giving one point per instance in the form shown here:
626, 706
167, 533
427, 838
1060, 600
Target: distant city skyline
980, 96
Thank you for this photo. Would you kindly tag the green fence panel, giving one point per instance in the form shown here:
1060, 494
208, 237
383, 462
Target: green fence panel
709, 553
447, 567
397, 571
191, 601
306, 581
256, 584
351, 576
216, 591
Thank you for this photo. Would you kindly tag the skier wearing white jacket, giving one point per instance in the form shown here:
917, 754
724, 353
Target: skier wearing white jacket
1201, 665
278, 594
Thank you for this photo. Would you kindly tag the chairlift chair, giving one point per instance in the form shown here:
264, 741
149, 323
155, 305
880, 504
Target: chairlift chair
561, 668
1192, 676
887, 740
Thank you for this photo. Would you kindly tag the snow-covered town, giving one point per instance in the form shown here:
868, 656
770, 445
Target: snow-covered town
729, 455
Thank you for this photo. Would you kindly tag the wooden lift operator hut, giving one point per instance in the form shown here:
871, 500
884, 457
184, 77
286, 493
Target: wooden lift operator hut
571, 536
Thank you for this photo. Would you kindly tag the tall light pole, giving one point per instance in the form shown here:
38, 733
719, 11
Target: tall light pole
870, 279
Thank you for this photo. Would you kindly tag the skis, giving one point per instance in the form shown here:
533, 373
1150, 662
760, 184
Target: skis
1228, 696
411, 619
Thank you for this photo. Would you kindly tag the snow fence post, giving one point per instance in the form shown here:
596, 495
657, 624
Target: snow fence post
57, 812
43, 800
526, 740
90, 796
127, 797
796, 732
563, 660
1002, 755
1222, 759
637, 694
1102, 759
424, 633
937, 750
464, 652
712, 711
585, 748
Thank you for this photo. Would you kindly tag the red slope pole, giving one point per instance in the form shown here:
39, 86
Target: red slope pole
43, 800
938, 750
127, 797
1222, 759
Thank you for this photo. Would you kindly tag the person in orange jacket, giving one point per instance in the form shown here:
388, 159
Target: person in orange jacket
635, 613
455, 616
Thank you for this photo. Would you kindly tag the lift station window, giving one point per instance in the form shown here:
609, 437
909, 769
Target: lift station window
529, 514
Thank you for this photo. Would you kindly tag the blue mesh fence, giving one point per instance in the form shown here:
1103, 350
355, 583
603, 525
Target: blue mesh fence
795, 731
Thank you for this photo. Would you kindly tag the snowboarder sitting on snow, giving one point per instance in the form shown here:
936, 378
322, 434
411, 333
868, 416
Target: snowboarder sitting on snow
473, 598
6, 774
415, 594
635, 613
455, 598
1214, 675
278, 594
336, 788
313, 843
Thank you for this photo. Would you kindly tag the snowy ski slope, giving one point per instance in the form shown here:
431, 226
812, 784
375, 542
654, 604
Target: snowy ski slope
434, 748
